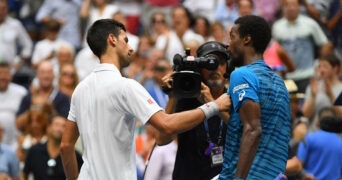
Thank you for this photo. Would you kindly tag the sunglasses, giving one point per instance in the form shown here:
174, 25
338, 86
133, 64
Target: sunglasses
156, 21
69, 74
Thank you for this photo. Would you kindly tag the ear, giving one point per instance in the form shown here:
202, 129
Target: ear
247, 40
112, 40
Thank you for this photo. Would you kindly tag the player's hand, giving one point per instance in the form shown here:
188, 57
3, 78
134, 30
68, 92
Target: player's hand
224, 102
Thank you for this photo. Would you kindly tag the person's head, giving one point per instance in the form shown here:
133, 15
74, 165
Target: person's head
245, 7
45, 74
292, 9
202, 26
161, 68
3, 10
328, 66
158, 22
68, 76
99, 3
56, 129
230, 2
107, 36
182, 18
65, 53
120, 17
214, 79
52, 28
38, 119
5, 76
217, 31
249, 36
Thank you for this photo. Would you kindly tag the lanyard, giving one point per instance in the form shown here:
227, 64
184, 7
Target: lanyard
206, 127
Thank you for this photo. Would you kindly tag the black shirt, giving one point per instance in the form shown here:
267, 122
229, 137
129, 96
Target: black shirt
191, 162
37, 162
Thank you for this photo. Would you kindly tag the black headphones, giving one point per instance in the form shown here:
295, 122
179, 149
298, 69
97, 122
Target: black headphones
214, 47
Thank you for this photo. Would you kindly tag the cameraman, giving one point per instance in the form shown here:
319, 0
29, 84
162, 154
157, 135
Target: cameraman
198, 146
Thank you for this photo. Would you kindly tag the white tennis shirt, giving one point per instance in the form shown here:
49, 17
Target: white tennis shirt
105, 107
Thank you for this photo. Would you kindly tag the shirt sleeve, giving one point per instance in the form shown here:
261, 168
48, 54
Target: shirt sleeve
243, 86
14, 165
318, 35
303, 150
72, 111
139, 102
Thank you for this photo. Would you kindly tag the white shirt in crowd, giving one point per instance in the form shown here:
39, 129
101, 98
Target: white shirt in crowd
12, 35
10, 102
105, 107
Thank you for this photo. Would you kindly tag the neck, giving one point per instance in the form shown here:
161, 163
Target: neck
252, 57
110, 58
53, 148
45, 90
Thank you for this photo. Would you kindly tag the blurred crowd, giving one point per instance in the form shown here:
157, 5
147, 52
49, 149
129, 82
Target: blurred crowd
44, 55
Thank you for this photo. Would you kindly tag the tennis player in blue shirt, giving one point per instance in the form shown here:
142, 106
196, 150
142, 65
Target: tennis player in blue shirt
259, 129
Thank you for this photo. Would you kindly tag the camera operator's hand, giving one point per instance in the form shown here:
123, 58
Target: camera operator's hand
205, 95
167, 83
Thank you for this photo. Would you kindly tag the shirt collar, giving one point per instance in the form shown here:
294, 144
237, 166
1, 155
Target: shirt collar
106, 67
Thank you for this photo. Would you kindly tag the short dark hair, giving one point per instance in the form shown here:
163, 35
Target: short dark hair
52, 25
257, 28
98, 33
331, 59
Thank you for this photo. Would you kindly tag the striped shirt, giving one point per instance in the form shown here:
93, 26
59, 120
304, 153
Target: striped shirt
258, 83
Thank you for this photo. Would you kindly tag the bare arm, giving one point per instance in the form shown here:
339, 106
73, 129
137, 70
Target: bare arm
85, 8
286, 59
250, 116
68, 150
293, 165
331, 24
312, 11
172, 124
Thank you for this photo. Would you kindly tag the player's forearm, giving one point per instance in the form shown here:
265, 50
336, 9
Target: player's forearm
69, 162
249, 145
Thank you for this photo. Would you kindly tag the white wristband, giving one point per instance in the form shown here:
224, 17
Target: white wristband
210, 109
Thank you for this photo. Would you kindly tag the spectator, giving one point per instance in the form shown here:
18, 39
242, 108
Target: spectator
161, 68
93, 10
227, 12
202, 27
44, 160
323, 89
13, 35
133, 39
161, 161
67, 13
218, 32
268, 9
65, 53
182, 22
10, 97
202, 8
68, 79
299, 34
321, 151
245, 7
36, 122
46, 49
85, 62
334, 24
9, 164
46, 91
166, 40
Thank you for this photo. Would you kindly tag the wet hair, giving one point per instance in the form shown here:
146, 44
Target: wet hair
98, 33
257, 28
